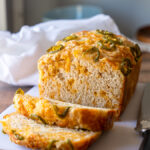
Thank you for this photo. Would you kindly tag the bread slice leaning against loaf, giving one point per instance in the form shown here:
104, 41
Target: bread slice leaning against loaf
63, 114
27, 132
91, 68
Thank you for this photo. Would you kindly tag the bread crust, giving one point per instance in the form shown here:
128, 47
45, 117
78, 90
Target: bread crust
37, 140
130, 83
61, 72
87, 118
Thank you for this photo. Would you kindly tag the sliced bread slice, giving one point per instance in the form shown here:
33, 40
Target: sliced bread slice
29, 133
64, 114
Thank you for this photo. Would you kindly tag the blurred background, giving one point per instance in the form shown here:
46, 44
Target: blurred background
129, 15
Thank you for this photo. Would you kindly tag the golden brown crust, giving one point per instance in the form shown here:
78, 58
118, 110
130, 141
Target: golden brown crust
94, 119
35, 139
34, 142
130, 85
75, 75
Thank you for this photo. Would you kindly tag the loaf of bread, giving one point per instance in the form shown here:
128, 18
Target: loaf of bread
27, 132
63, 114
91, 68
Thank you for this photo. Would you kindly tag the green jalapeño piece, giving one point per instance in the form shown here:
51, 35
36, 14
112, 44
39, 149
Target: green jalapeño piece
126, 66
36, 117
18, 136
109, 40
70, 144
3, 131
108, 46
61, 115
136, 52
20, 91
51, 145
104, 32
112, 39
55, 49
69, 38
93, 50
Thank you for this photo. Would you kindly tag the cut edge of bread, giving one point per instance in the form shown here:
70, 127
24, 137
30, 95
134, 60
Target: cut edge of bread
26, 132
67, 114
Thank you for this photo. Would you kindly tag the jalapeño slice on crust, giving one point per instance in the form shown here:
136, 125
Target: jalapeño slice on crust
61, 115
69, 38
36, 117
126, 66
55, 49
136, 52
93, 50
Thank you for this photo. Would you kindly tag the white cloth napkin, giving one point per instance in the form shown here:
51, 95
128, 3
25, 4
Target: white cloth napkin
20, 52
121, 137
